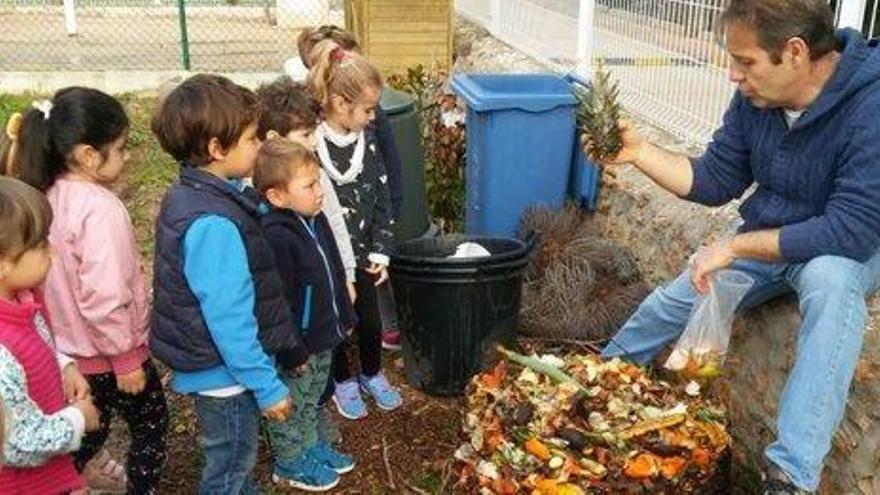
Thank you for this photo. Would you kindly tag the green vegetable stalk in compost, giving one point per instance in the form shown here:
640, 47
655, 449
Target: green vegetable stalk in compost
539, 366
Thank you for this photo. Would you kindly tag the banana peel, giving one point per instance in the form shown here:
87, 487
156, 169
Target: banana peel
650, 425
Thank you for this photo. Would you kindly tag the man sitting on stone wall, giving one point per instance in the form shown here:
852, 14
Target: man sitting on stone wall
804, 125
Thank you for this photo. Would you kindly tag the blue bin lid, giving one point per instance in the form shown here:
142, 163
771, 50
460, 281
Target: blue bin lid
529, 92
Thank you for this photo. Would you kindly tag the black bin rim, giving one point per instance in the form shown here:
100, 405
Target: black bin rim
518, 249
446, 275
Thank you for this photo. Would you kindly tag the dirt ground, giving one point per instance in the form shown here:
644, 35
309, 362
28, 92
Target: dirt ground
406, 451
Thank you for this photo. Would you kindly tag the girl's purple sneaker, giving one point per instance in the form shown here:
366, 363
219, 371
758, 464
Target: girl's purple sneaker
386, 396
347, 398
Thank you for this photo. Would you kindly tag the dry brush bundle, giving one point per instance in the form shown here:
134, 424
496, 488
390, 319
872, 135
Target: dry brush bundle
580, 286
555, 229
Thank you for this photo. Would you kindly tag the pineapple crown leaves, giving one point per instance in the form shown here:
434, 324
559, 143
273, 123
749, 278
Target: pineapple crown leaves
598, 116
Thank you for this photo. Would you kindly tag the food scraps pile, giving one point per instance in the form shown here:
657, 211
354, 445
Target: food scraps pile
550, 425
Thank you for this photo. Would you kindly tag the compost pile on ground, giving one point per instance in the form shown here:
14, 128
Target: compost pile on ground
579, 286
573, 424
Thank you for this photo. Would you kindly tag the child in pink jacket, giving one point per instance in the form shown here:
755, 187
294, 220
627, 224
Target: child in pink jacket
74, 149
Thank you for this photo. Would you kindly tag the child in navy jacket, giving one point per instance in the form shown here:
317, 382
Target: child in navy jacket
308, 260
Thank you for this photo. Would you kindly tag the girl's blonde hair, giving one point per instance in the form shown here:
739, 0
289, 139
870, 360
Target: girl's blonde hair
339, 72
309, 37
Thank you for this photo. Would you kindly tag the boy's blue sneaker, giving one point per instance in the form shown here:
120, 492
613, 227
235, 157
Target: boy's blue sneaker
347, 398
306, 474
386, 396
325, 454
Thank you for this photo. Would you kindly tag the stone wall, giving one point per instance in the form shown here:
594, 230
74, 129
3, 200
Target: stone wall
662, 231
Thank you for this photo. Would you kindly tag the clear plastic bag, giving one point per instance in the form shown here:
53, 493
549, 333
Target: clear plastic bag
701, 349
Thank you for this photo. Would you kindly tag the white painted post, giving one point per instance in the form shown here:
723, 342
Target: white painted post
852, 13
495, 17
585, 38
70, 17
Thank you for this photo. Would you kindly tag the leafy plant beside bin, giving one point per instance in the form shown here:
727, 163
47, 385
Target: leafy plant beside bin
443, 138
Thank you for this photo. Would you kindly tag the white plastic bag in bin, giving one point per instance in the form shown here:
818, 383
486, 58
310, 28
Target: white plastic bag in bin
470, 250
702, 347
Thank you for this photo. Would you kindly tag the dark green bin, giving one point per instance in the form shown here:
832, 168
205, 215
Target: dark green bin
406, 126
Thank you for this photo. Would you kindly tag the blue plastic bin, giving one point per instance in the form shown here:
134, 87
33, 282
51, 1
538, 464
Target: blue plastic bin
520, 137
585, 179
585, 175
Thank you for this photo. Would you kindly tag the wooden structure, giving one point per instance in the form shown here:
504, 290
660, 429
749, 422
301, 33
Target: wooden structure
399, 34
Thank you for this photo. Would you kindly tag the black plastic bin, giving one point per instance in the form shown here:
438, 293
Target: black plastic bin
451, 311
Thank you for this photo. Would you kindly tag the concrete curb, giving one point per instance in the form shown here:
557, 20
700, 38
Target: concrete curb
114, 82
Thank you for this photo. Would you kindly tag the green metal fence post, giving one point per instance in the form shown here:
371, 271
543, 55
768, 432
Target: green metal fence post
184, 37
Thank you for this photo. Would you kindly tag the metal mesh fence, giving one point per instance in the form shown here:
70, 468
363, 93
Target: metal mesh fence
670, 68
203, 35
547, 27
872, 18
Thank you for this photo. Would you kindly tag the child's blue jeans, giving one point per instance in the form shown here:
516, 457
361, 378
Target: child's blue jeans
831, 292
230, 426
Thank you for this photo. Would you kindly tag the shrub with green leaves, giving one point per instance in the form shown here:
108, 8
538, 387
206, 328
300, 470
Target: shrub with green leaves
444, 143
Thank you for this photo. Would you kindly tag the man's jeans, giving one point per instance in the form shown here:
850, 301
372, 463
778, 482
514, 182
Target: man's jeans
230, 426
831, 292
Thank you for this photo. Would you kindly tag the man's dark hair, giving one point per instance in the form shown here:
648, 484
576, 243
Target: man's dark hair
777, 21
